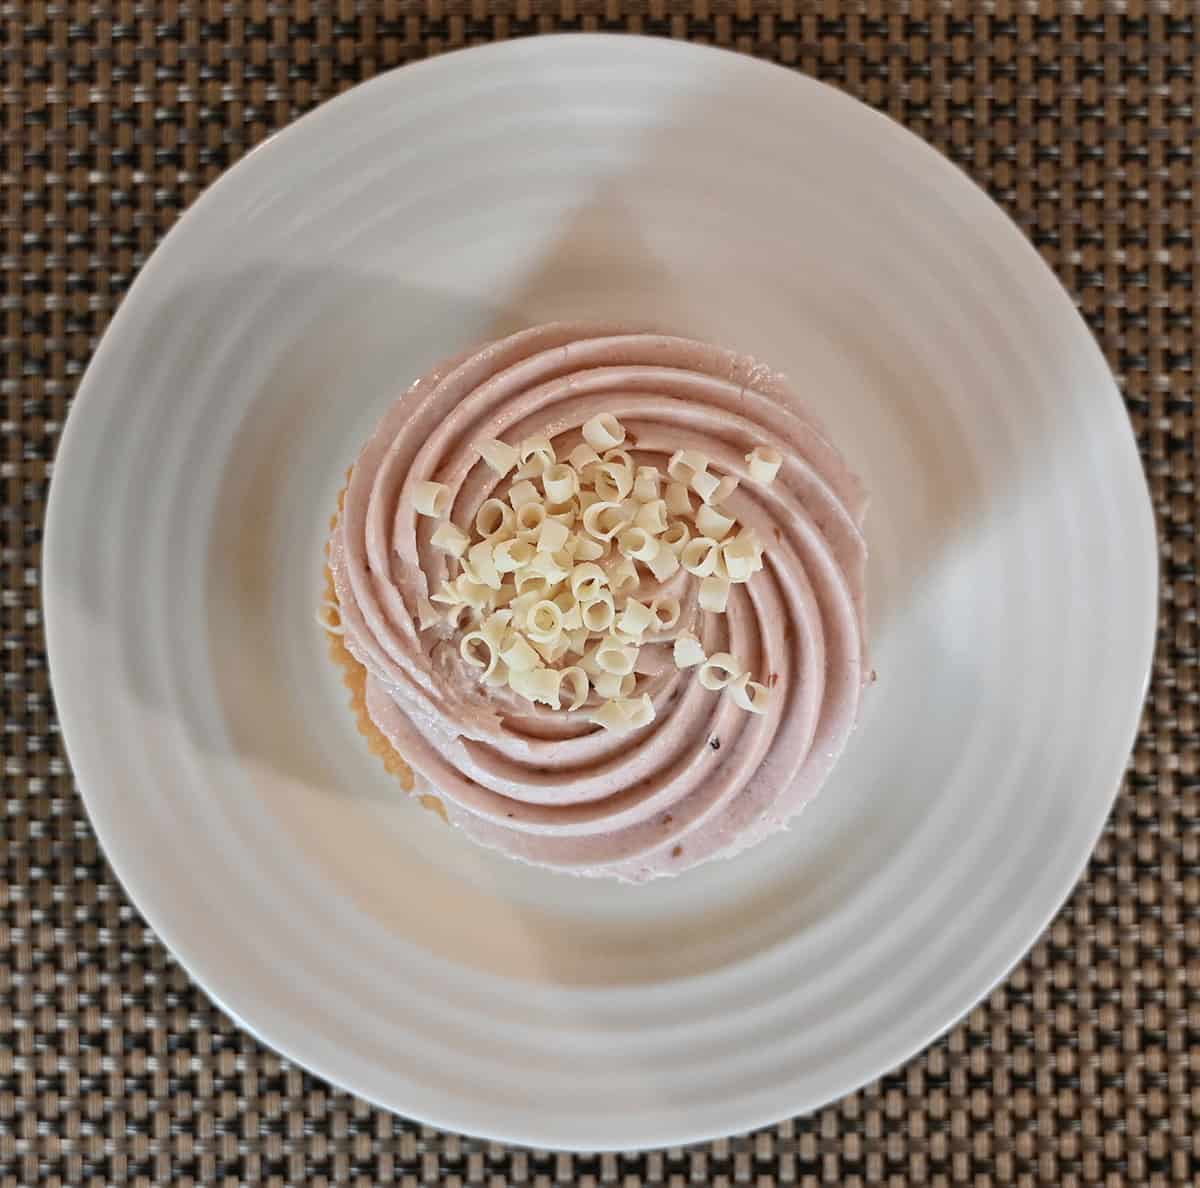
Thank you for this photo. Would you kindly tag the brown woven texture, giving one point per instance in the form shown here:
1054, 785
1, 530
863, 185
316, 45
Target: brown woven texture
1080, 119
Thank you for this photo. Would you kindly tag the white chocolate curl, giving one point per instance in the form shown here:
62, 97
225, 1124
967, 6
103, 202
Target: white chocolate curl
581, 457
636, 619
554, 567
560, 483
663, 564
473, 593
679, 502
612, 481
666, 613
612, 717
530, 517
589, 549
572, 617
512, 555
530, 583
552, 536
499, 455
431, 499
718, 671
476, 650
740, 559
494, 520
616, 657
545, 622
537, 451
605, 519
714, 594
688, 651
609, 685
587, 581
652, 516
647, 482
521, 607
699, 556
685, 465
598, 613
565, 513
749, 695
447, 595
705, 485
764, 463
518, 655
625, 714
711, 523
552, 653
480, 566
676, 537
641, 711
537, 684
623, 576
603, 432
450, 539
496, 628
637, 543
578, 684
521, 493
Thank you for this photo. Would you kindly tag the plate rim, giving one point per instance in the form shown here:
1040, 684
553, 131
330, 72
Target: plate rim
107, 831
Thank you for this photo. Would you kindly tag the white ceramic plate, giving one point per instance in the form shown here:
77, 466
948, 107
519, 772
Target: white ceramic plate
1012, 587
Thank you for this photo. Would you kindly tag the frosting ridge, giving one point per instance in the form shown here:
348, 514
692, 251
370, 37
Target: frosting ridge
704, 778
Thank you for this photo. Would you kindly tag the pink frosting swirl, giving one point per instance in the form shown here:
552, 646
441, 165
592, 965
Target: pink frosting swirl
704, 778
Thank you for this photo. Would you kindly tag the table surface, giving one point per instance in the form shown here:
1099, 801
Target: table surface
1080, 118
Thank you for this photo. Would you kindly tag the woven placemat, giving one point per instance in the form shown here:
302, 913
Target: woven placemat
1080, 119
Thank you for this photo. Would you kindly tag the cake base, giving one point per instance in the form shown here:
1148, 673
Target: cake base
354, 677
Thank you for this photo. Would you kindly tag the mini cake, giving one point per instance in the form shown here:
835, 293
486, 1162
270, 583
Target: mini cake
598, 596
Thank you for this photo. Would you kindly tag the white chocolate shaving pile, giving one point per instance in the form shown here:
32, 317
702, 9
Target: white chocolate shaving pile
537, 611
